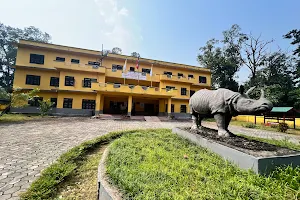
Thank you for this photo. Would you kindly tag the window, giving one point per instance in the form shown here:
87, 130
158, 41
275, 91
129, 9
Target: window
172, 108
183, 108
54, 101
87, 82
69, 81
117, 67
35, 101
190, 76
168, 88
37, 59
68, 103
202, 79
54, 81
180, 75
60, 59
75, 61
88, 104
192, 92
132, 69
144, 70
168, 73
183, 91
93, 63
33, 80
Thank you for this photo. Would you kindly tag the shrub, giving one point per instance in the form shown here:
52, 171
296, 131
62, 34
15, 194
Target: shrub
45, 106
283, 127
249, 125
274, 126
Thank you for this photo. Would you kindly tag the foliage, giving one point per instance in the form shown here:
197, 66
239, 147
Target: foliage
20, 99
223, 62
46, 186
8, 50
283, 127
135, 54
160, 165
249, 125
116, 50
4, 94
45, 106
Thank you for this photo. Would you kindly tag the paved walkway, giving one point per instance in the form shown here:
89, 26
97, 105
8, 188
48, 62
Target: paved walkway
26, 149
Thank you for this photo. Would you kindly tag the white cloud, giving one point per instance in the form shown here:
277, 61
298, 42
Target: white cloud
118, 28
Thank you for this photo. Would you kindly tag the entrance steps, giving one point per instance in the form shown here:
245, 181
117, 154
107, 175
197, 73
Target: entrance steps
151, 119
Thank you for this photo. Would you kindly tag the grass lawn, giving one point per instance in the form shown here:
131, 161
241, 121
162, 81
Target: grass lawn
157, 164
18, 118
258, 126
82, 184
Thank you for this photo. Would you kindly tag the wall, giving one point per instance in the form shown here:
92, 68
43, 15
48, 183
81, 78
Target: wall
77, 98
260, 120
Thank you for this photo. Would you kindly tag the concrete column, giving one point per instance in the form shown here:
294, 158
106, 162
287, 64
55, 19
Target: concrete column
169, 106
129, 105
99, 104
161, 107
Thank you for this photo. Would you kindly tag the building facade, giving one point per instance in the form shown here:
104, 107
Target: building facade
85, 82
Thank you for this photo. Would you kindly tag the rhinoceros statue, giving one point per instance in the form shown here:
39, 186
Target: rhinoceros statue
223, 104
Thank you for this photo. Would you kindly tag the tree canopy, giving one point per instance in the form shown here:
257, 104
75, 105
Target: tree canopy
8, 51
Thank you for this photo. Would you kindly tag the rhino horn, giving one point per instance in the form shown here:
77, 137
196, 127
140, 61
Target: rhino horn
250, 90
262, 93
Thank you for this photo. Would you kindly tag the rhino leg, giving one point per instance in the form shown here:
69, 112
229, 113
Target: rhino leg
227, 122
195, 120
221, 123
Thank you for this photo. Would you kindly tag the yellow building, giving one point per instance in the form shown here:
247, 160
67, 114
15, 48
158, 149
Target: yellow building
85, 82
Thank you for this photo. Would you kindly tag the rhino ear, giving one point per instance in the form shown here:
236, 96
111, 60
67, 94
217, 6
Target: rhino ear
241, 89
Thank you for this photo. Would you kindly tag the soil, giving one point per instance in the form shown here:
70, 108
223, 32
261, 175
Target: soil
245, 145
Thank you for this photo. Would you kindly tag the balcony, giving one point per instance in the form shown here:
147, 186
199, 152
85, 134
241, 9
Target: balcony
133, 89
164, 77
78, 67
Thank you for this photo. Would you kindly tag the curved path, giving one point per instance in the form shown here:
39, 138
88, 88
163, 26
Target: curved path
27, 148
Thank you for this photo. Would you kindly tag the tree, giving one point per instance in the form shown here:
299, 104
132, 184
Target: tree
295, 36
8, 51
116, 50
226, 60
135, 54
18, 99
255, 55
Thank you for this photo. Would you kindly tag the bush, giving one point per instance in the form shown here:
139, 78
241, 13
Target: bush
274, 126
45, 106
282, 127
249, 125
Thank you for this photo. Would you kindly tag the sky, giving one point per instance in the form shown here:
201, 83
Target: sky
168, 30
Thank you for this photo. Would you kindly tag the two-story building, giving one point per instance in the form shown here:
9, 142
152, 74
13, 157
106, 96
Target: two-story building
86, 82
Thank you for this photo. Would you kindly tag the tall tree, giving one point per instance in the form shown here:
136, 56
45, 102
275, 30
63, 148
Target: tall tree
8, 51
295, 36
135, 54
116, 50
226, 60
255, 55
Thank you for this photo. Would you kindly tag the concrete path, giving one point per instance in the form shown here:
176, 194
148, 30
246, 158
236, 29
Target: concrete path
26, 149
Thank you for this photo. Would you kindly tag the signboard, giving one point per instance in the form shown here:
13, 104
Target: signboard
134, 75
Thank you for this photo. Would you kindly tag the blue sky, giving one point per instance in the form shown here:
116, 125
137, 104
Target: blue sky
170, 30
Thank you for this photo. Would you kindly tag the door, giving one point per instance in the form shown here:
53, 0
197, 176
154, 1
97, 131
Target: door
149, 109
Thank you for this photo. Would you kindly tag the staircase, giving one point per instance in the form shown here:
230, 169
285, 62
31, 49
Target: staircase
152, 119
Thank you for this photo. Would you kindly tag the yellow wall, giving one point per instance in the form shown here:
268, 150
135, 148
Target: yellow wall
260, 120
77, 98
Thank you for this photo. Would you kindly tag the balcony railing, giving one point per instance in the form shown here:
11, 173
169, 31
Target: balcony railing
176, 78
133, 89
79, 67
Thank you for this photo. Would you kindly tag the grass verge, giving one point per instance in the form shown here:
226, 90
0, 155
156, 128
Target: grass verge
46, 186
18, 118
156, 164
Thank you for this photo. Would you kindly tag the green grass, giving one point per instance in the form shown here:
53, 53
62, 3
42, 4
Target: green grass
82, 184
46, 186
157, 164
18, 118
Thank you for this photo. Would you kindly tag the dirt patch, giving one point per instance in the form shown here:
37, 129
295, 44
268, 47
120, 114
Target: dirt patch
245, 145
